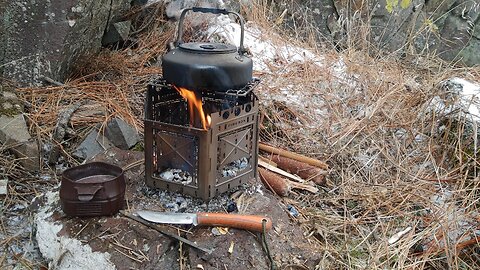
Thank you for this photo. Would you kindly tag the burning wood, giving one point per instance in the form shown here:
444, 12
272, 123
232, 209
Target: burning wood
194, 102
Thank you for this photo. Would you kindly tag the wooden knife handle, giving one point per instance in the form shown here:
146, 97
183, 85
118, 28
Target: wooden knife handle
245, 222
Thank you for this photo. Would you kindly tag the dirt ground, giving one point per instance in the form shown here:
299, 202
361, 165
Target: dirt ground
132, 245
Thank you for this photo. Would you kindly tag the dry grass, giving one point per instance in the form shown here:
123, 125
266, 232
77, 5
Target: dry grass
396, 163
110, 84
392, 164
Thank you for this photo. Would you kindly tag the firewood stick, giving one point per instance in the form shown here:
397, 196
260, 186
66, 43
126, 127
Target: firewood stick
295, 156
301, 186
274, 182
304, 170
281, 185
280, 171
266, 160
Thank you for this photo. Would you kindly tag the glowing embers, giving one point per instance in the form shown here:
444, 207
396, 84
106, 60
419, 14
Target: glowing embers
195, 106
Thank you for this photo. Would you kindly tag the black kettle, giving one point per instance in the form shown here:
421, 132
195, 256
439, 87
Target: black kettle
206, 66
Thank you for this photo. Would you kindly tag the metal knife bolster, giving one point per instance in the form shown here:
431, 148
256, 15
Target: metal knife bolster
167, 217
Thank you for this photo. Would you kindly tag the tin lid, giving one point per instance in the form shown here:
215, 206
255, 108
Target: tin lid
207, 47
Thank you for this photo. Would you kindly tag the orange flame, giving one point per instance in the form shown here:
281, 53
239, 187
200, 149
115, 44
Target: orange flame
194, 102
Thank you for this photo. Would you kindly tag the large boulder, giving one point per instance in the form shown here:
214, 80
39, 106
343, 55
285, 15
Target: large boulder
45, 38
457, 22
447, 28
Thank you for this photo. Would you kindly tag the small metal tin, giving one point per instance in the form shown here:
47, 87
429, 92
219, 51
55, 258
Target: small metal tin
92, 189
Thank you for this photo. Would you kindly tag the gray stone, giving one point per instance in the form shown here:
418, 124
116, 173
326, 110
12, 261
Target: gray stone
28, 155
117, 32
175, 8
46, 38
94, 144
7, 105
121, 134
14, 135
458, 32
10, 96
13, 129
9, 102
449, 29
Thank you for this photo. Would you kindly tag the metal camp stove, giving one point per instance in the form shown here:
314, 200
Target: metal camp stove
182, 156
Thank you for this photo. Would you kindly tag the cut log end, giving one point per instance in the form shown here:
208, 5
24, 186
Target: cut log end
304, 170
274, 182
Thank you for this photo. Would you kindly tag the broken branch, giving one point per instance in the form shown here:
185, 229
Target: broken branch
60, 130
304, 170
280, 185
279, 171
295, 156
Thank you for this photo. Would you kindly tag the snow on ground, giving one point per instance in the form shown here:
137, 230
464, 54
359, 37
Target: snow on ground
469, 95
265, 51
64, 252
276, 61
458, 224
464, 97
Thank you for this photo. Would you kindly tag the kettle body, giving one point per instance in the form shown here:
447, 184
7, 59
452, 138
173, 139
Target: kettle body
205, 66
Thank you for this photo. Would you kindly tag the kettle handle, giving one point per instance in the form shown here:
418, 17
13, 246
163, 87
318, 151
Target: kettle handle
179, 40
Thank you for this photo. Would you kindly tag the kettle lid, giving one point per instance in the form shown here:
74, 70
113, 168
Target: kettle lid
208, 47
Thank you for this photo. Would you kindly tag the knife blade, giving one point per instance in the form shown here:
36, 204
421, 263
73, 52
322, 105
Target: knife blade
245, 222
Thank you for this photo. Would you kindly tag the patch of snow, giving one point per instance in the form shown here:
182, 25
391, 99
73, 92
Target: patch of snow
464, 96
470, 96
265, 52
64, 252
456, 222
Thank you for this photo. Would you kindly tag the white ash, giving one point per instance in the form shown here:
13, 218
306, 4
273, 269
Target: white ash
234, 167
175, 202
177, 176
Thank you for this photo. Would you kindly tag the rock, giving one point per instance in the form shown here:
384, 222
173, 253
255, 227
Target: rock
94, 144
87, 112
28, 155
459, 29
116, 32
447, 28
139, 2
46, 38
3, 187
175, 7
14, 135
121, 134
10, 103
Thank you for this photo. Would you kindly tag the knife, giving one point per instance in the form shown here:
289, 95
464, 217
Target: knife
245, 222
